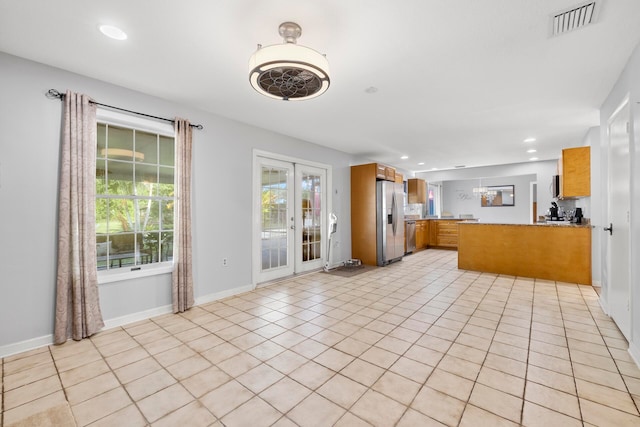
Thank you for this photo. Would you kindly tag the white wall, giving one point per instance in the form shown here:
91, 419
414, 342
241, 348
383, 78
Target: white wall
29, 147
627, 85
521, 173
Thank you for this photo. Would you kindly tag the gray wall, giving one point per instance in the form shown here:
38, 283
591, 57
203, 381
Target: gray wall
457, 196
29, 152
520, 173
627, 85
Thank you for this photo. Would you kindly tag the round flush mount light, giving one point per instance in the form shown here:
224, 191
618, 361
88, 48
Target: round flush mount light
533, 159
404, 157
530, 140
289, 71
113, 32
532, 150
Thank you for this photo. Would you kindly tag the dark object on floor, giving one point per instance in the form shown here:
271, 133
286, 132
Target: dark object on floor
350, 271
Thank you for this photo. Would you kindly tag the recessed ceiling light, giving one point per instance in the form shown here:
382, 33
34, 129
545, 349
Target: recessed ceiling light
404, 157
421, 164
533, 159
532, 150
113, 32
434, 169
530, 140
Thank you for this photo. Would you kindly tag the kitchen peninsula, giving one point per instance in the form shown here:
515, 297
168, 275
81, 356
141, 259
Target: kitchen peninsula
544, 251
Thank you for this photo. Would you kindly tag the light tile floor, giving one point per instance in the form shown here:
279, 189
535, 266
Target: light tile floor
417, 343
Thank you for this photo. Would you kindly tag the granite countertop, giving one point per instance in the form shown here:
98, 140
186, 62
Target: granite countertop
411, 218
562, 224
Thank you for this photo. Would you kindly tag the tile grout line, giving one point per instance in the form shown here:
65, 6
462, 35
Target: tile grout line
635, 404
475, 381
453, 342
64, 391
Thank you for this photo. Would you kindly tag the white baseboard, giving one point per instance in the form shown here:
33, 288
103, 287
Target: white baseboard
634, 351
603, 306
223, 294
22, 346
136, 317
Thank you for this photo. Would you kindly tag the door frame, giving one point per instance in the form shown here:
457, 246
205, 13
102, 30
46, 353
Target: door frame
626, 103
256, 205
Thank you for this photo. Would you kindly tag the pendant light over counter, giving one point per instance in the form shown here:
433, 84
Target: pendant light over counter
289, 71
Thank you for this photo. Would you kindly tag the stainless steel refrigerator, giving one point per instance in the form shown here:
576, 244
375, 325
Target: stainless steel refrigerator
390, 222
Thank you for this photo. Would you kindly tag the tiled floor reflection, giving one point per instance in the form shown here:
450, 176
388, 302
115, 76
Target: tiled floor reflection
418, 343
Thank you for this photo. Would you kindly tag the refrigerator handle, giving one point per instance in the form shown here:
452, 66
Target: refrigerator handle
394, 219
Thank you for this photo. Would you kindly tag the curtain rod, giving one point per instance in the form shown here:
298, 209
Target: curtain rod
56, 94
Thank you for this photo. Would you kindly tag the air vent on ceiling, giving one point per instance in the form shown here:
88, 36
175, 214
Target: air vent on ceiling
574, 18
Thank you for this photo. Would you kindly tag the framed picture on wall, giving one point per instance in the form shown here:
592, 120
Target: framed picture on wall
498, 195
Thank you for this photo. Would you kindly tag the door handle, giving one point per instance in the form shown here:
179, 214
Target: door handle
609, 229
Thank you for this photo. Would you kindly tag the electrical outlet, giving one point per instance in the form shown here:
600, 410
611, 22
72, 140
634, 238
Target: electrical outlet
224, 262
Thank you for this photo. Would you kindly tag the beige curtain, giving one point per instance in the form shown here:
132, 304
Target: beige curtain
182, 278
77, 304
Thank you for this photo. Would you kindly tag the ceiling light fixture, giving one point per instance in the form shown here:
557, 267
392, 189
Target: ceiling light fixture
530, 140
531, 150
533, 159
420, 163
289, 71
404, 157
113, 32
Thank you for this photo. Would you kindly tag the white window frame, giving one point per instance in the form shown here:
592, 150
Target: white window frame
138, 123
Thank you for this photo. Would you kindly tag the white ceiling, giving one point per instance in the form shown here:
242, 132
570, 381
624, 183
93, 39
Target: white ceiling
460, 82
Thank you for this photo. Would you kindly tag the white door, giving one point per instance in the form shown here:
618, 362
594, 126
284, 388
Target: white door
618, 208
275, 218
311, 223
290, 218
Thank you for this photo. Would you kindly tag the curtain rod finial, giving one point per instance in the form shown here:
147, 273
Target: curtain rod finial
53, 93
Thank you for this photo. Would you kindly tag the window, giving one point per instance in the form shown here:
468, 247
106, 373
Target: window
135, 170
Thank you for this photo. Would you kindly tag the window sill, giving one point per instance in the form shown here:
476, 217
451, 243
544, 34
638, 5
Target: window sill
128, 274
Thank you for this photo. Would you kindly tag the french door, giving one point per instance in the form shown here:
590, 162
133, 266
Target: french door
290, 211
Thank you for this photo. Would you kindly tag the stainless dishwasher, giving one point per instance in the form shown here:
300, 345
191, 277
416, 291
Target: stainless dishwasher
411, 236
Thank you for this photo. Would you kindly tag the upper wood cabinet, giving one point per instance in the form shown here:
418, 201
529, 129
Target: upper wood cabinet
399, 178
574, 168
417, 190
384, 172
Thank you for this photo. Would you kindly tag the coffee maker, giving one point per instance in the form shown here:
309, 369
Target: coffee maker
553, 212
578, 216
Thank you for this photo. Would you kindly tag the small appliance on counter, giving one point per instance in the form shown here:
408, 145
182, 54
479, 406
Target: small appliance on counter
553, 212
578, 216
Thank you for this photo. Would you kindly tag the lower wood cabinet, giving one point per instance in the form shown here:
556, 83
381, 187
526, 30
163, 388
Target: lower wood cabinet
422, 234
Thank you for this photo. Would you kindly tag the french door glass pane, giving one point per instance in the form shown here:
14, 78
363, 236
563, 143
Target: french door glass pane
274, 217
311, 215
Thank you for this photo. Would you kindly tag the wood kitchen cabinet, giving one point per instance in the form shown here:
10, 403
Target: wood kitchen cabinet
384, 172
417, 190
444, 233
399, 178
363, 211
422, 234
574, 168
